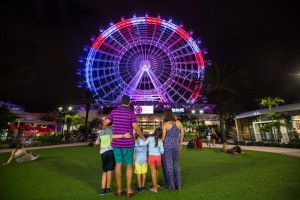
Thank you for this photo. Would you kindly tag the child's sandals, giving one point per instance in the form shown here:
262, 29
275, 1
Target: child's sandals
153, 190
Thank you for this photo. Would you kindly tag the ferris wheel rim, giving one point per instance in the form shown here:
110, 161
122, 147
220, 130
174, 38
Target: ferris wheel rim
119, 54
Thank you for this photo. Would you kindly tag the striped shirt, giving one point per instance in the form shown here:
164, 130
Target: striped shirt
122, 119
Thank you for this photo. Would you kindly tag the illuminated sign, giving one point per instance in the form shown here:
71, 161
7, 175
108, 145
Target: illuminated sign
143, 109
178, 110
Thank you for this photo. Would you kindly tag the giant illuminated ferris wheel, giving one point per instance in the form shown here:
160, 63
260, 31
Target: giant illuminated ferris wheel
147, 58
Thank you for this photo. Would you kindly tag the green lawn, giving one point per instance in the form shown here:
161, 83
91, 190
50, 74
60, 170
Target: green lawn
74, 173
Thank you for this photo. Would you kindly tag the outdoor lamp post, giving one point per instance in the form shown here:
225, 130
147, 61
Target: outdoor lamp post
61, 114
201, 112
198, 141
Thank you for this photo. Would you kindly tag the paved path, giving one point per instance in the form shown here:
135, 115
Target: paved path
279, 150
48, 147
285, 151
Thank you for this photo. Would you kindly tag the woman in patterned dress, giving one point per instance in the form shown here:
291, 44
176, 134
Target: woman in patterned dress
172, 136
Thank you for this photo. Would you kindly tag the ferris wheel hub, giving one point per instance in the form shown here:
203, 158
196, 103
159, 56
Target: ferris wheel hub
145, 65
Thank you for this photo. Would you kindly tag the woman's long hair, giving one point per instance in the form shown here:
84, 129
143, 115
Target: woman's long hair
157, 135
169, 116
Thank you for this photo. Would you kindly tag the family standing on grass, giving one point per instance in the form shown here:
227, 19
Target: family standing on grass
118, 147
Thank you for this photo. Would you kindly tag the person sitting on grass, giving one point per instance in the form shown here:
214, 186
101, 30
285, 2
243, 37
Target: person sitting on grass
140, 164
20, 155
107, 155
155, 149
235, 150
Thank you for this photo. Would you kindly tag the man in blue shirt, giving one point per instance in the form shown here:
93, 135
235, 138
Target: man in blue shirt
208, 136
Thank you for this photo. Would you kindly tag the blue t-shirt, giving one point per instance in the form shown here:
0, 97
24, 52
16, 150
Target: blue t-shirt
140, 152
153, 151
207, 132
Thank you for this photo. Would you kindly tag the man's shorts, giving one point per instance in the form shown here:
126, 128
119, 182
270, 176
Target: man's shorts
108, 161
154, 161
140, 168
123, 155
208, 137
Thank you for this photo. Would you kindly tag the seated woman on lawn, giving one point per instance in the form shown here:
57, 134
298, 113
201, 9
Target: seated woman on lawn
20, 155
235, 150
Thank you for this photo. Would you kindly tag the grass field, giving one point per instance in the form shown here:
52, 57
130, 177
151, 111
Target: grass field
74, 173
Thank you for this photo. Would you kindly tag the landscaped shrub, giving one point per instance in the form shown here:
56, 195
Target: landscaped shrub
259, 144
13, 144
250, 143
4, 146
50, 140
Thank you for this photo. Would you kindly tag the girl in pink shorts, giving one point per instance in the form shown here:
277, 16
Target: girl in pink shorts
155, 149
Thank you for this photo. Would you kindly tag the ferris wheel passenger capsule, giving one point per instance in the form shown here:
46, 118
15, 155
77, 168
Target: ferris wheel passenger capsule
93, 38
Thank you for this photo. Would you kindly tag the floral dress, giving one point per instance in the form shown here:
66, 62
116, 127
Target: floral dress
170, 158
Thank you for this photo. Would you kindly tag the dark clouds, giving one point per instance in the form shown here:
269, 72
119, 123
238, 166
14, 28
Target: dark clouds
42, 40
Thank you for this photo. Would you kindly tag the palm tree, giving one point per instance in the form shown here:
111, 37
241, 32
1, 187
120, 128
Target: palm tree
222, 81
88, 98
276, 120
68, 121
270, 102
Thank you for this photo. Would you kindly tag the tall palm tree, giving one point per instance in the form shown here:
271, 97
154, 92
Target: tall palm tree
222, 81
270, 102
88, 99
277, 120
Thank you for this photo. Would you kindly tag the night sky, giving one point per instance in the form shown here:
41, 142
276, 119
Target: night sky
41, 42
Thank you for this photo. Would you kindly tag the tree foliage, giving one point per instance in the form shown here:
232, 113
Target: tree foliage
277, 121
222, 82
6, 117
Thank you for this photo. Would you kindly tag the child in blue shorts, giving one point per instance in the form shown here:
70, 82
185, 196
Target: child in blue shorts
140, 163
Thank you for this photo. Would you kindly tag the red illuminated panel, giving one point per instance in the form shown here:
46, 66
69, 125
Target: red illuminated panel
98, 42
123, 24
183, 33
152, 20
200, 61
196, 91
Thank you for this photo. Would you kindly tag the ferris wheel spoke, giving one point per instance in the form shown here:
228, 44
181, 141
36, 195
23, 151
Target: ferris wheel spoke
121, 45
138, 41
158, 86
174, 51
132, 85
176, 92
113, 91
125, 38
113, 48
184, 55
151, 44
100, 52
174, 43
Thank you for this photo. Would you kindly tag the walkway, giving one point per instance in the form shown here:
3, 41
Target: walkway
48, 147
278, 150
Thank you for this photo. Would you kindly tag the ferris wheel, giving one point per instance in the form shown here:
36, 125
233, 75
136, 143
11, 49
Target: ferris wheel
146, 58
